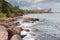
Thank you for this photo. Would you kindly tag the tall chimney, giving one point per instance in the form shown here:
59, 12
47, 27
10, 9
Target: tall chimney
50, 10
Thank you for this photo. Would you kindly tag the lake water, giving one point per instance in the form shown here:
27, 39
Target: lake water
48, 28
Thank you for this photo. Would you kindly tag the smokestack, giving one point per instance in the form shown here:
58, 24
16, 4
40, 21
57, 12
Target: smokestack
50, 10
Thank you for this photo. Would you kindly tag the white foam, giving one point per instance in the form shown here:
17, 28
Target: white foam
48, 29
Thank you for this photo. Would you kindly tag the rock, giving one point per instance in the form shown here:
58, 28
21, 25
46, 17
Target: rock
14, 30
2, 28
22, 36
28, 18
8, 19
32, 19
17, 30
15, 37
3, 33
27, 30
5, 25
35, 19
17, 23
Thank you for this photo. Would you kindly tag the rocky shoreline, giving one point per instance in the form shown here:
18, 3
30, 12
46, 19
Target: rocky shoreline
9, 29
10, 33
7, 32
9, 19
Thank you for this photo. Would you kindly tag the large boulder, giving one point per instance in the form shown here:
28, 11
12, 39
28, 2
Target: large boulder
3, 33
15, 37
14, 30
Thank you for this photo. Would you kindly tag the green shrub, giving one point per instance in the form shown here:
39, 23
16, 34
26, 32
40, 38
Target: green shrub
9, 15
2, 15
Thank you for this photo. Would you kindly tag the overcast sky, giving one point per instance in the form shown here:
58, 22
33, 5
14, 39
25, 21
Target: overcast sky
37, 4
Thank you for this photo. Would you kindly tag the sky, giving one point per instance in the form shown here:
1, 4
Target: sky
37, 4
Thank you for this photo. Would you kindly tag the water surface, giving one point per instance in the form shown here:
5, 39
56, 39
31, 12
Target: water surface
46, 29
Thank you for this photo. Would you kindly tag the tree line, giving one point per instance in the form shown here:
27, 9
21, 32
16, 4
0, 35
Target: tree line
8, 10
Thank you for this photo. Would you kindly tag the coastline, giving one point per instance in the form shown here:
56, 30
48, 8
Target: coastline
9, 19
39, 25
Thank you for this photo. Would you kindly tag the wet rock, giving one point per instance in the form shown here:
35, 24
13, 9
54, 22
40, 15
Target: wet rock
27, 30
36, 19
15, 37
18, 23
28, 19
3, 33
32, 19
22, 36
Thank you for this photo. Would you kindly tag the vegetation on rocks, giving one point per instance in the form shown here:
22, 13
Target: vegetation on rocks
2, 15
8, 10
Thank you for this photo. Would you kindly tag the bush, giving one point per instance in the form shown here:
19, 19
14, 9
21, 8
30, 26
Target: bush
2, 15
9, 15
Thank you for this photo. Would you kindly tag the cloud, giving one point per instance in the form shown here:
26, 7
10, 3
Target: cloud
58, 4
33, 4
18, 1
31, 1
40, 3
